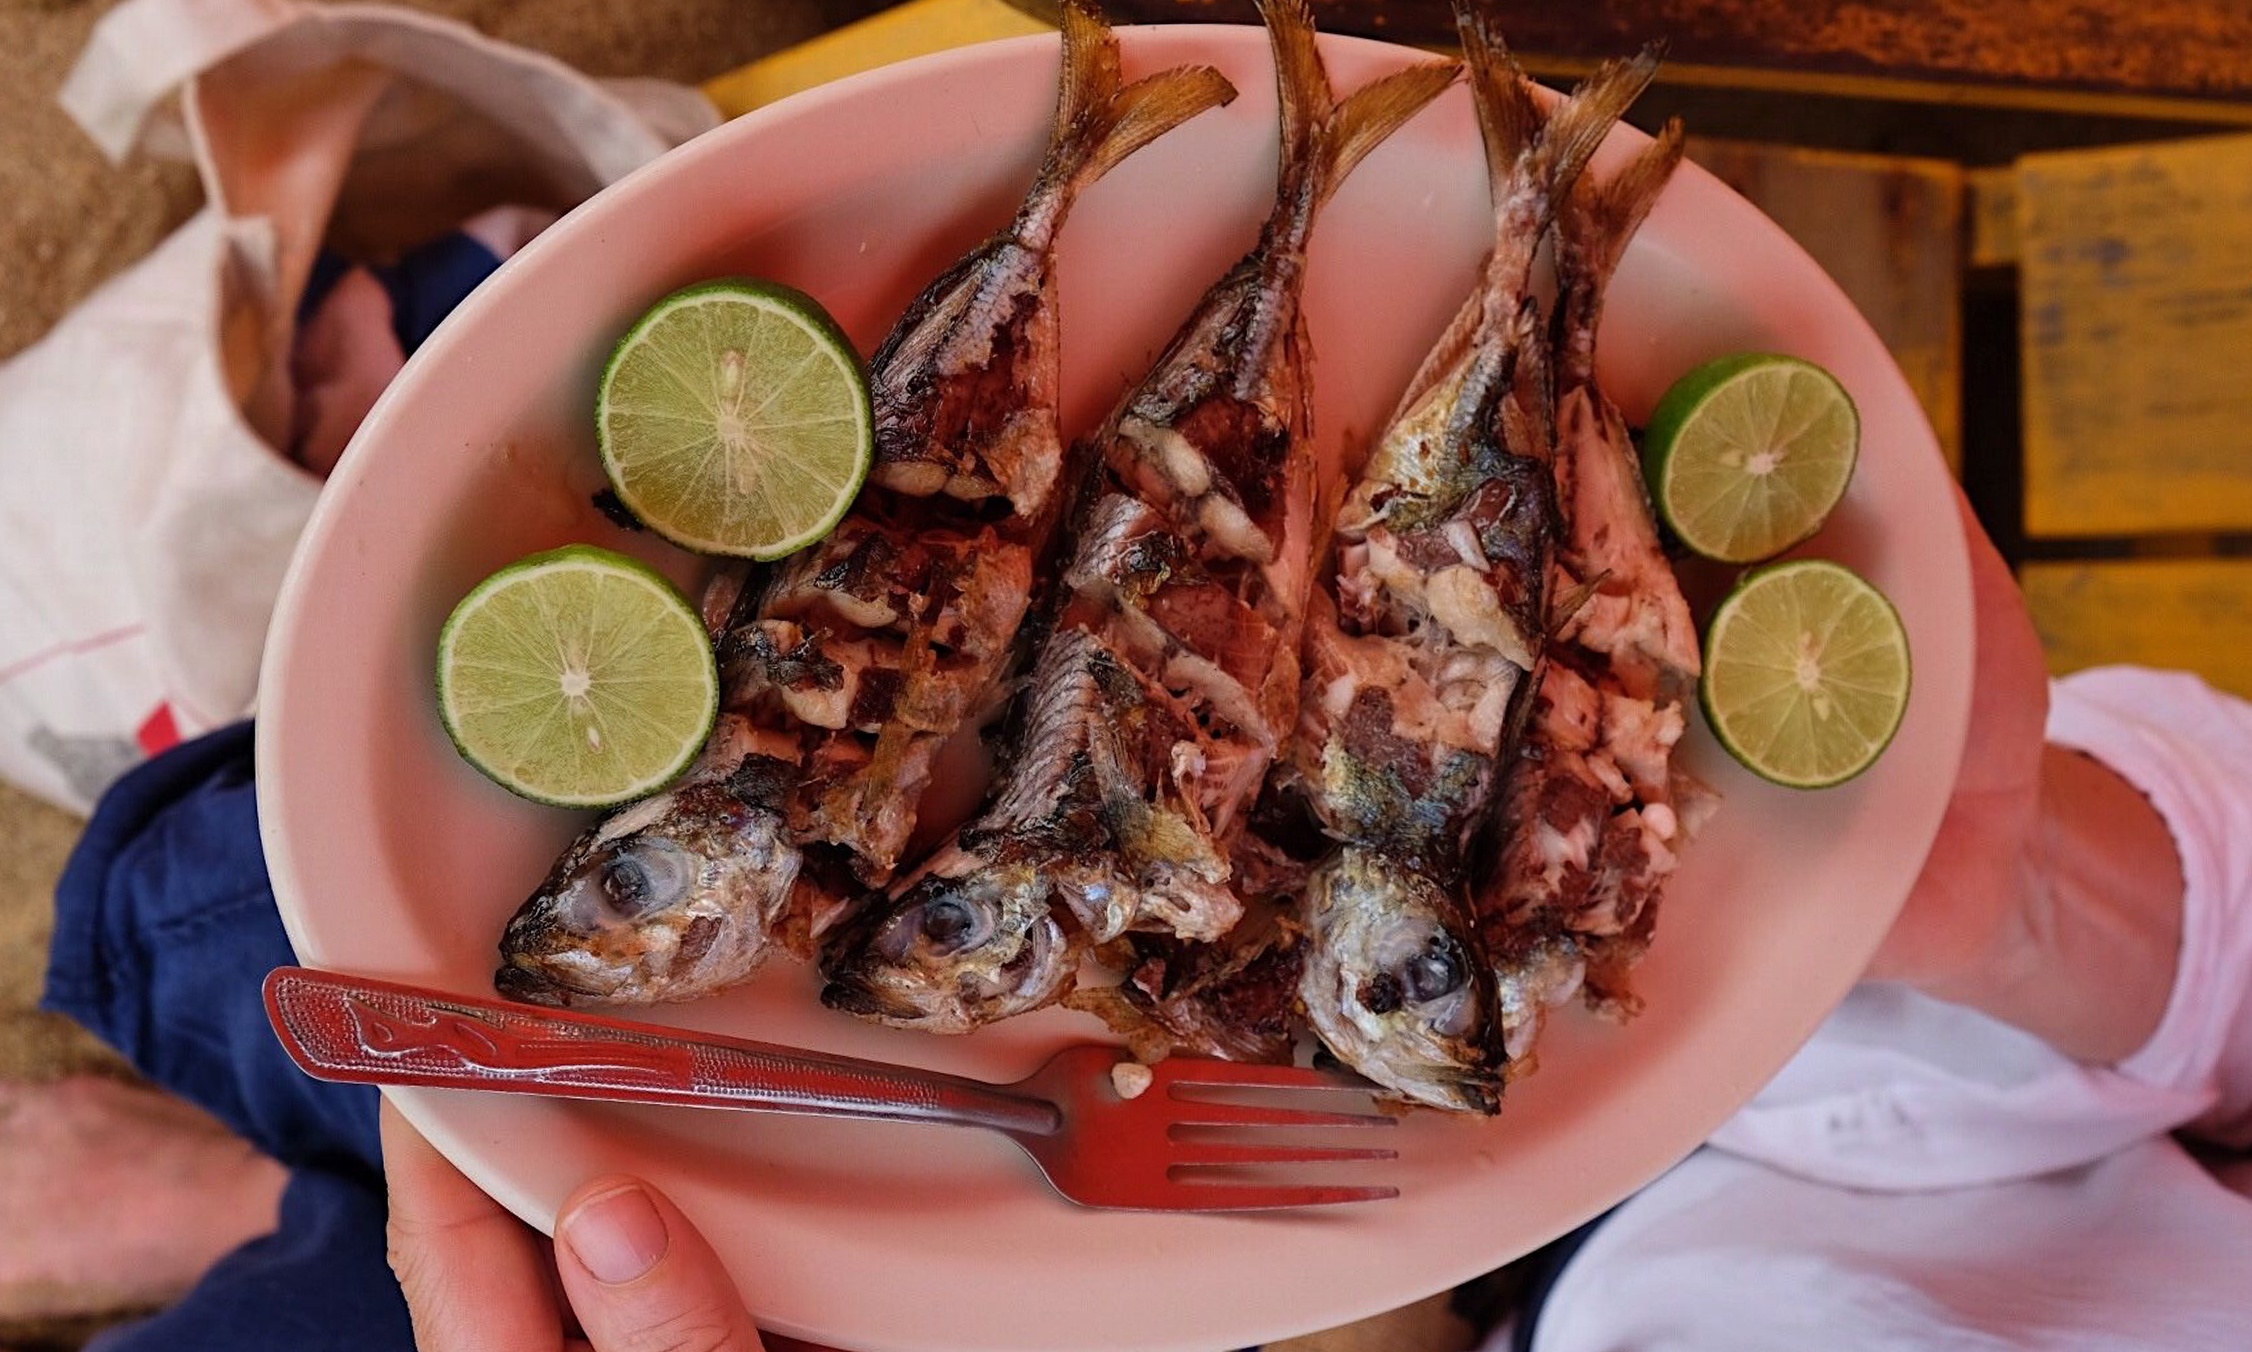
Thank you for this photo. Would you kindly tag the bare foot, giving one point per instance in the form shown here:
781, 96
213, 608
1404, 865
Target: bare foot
118, 1198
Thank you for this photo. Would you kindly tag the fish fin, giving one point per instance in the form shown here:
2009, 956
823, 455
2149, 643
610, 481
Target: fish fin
1593, 228
1525, 149
1578, 127
1509, 121
1302, 86
1570, 603
1328, 502
1600, 218
1377, 109
1100, 120
1447, 353
1321, 137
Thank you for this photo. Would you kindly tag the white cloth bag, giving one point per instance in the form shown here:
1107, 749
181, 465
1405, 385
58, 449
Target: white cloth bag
148, 507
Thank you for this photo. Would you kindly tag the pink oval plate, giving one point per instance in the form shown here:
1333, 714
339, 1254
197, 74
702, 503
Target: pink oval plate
392, 858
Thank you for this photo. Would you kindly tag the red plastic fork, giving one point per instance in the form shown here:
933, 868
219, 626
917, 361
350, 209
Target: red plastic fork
1095, 1146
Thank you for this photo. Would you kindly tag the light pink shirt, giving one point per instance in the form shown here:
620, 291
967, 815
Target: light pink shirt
1924, 1177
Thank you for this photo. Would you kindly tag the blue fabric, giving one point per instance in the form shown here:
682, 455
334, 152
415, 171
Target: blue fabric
425, 285
319, 1283
429, 280
165, 928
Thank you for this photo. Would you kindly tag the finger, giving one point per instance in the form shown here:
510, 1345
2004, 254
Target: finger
474, 1276
640, 1277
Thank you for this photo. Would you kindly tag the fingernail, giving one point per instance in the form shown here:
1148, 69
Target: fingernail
618, 1235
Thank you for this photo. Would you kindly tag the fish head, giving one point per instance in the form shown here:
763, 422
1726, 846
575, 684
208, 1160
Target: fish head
669, 899
953, 953
1393, 985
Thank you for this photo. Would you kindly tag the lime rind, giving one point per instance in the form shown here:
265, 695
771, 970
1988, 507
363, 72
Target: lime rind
1742, 406
1752, 696
652, 697
808, 385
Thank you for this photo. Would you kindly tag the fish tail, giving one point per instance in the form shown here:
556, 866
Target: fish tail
1509, 121
1574, 131
1593, 228
1302, 87
1600, 218
1379, 108
1532, 160
1100, 119
1323, 140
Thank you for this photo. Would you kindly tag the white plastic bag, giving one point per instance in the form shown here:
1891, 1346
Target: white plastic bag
147, 507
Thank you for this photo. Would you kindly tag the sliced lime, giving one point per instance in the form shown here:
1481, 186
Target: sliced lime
1806, 673
734, 419
577, 677
1746, 455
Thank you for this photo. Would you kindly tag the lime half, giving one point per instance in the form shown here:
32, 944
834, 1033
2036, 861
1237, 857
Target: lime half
1746, 455
1806, 673
734, 419
578, 677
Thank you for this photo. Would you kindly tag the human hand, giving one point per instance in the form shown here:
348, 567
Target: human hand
1972, 884
626, 1273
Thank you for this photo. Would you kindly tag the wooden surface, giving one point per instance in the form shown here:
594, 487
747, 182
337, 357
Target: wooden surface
2187, 614
2159, 58
1890, 231
2135, 269
1991, 216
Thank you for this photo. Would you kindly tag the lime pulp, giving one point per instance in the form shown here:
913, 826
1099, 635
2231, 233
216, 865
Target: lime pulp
578, 677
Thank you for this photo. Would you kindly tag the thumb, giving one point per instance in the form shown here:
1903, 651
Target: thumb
641, 1279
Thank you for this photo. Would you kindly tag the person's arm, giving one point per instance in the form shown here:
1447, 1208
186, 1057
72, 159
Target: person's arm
2085, 956
2052, 899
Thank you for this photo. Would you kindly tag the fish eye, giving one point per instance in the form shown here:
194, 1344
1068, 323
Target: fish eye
1436, 971
648, 875
952, 923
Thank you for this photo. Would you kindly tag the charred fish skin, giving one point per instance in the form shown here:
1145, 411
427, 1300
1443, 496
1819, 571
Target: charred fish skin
1594, 812
965, 385
922, 593
671, 898
1170, 680
852, 664
1233, 1000
1433, 629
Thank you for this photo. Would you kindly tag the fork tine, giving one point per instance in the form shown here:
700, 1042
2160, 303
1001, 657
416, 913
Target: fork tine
1266, 1197
1191, 1153
1198, 1070
1199, 1113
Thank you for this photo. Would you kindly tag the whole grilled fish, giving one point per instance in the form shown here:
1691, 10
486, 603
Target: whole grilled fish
1424, 642
926, 590
862, 657
1170, 681
1594, 810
